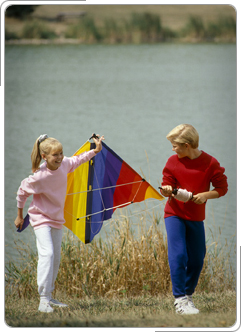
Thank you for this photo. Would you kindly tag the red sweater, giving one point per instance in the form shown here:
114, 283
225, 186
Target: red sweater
195, 175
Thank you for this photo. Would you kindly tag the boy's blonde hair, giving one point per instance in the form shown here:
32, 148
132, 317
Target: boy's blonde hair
184, 133
46, 146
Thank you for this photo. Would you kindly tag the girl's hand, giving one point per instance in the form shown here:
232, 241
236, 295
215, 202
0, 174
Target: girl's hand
166, 191
19, 222
98, 143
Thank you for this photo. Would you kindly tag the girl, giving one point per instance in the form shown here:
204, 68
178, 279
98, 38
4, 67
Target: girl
46, 212
193, 170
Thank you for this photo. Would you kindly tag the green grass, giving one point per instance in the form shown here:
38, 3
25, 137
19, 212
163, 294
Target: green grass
224, 27
37, 29
148, 28
216, 310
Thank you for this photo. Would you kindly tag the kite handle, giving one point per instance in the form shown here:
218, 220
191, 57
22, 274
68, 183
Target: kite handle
175, 190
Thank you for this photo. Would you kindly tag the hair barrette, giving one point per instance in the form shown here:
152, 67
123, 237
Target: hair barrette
42, 138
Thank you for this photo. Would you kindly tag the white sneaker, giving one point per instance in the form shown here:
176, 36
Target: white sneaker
191, 304
57, 303
45, 307
182, 307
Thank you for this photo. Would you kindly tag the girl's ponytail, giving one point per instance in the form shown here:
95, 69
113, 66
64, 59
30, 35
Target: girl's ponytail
35, 156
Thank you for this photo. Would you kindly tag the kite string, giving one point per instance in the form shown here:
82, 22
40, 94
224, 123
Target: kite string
111, 208
117, 185
95, 213
146, 210
104, 208
114, 207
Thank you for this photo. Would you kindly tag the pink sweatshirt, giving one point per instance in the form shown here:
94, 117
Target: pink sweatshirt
49, 189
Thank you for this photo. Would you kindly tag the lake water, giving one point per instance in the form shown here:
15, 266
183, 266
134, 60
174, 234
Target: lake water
134, 95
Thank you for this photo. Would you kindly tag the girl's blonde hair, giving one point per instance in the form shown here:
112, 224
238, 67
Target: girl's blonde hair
45, 146
184, 133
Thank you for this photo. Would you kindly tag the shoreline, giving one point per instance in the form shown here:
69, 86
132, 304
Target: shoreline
75, 41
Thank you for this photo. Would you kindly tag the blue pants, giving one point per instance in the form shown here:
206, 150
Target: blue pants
186, 252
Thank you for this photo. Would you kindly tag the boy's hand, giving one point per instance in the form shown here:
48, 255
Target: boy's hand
166, 191
203, 197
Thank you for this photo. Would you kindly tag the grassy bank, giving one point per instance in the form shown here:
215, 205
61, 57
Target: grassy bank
125, 274
115, 24
216, 310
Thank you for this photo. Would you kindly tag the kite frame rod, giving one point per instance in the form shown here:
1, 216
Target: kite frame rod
129, 216
117, 185
114, 207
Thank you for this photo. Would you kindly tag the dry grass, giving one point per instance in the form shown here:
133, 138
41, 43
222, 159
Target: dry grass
125, 264
121, 281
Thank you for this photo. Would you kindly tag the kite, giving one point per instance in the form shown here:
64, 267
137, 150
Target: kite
97, 188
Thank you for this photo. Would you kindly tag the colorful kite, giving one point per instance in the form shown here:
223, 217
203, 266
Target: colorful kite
97, 188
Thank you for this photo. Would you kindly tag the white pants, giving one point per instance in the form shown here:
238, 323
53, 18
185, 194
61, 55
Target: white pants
49, 251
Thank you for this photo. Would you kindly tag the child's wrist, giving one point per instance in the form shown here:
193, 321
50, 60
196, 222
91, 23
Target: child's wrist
97, 149
20, 212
